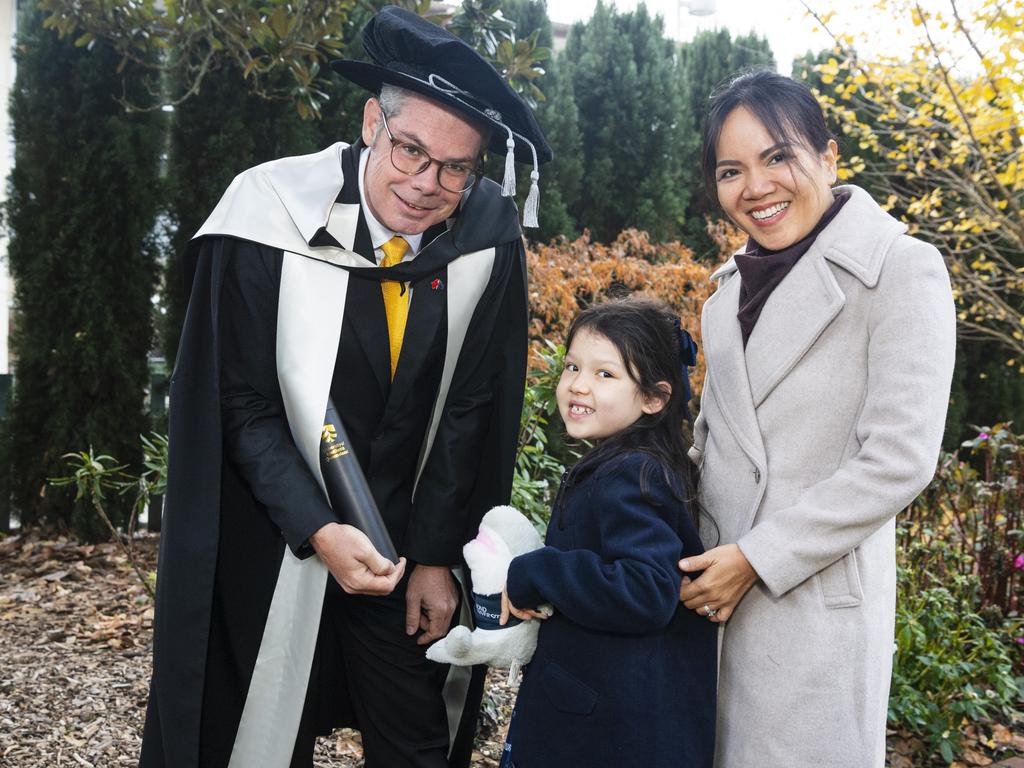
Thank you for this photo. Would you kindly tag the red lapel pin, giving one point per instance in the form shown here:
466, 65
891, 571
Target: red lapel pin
436, 284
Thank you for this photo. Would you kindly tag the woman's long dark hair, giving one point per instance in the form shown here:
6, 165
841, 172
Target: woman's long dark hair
646, 334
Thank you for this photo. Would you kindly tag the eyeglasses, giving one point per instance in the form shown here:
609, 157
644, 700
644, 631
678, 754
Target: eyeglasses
412, 160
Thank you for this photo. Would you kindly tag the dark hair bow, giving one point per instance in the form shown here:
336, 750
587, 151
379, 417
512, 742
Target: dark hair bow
687, 358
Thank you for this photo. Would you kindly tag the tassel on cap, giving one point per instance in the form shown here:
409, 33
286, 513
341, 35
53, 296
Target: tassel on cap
508, 184
533, 199
532, 202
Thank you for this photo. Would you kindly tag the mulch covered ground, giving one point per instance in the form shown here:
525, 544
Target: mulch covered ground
75, 643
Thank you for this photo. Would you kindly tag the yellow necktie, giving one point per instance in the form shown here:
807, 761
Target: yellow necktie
396, 299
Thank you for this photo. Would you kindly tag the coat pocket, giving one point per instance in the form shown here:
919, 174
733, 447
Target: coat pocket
840, 583
565, 692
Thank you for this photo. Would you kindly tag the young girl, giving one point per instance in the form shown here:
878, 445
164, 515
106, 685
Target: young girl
623, 675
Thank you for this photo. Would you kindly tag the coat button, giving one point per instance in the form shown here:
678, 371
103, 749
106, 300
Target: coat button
757, 475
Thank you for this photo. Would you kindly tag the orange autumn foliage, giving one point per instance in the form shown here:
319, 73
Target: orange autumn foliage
567, 276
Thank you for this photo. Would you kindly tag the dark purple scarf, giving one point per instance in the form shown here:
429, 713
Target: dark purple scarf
762, 270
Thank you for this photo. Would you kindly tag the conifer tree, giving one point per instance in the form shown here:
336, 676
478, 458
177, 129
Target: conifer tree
80, 213
558, 118
560, 179
216, 134
626, 82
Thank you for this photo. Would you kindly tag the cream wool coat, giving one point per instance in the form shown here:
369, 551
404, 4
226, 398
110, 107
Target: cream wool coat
810, 442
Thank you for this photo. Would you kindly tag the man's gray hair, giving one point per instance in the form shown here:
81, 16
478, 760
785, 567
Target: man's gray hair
391, 100
393, 97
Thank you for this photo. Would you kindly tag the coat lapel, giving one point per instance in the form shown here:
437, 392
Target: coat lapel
347, 226
723, 351
795, 315
371, 330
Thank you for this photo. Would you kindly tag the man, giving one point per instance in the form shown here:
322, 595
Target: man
388, 277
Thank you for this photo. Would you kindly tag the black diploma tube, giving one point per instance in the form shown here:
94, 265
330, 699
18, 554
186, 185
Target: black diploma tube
347, 489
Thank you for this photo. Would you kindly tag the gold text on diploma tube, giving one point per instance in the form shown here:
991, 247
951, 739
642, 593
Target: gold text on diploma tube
330, 434
336, 451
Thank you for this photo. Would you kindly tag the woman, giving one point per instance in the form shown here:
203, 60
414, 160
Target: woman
829, 344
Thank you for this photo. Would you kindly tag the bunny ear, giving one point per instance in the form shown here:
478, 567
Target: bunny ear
484, 539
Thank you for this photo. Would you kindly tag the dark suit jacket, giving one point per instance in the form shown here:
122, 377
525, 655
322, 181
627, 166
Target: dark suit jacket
623, 674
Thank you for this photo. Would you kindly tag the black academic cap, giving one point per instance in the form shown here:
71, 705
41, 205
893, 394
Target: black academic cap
408, 51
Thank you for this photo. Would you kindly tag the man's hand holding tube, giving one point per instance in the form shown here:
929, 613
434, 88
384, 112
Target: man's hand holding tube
355, 564
726, 577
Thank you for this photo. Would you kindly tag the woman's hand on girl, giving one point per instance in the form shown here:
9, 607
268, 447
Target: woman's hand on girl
726, 577
525, 614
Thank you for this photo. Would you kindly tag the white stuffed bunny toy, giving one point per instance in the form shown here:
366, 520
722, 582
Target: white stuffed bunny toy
504, 533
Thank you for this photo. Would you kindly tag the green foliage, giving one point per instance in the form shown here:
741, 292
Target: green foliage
559, 120
482, 24
561, 179
92, 476
538, 473
959, 594
216, 134
281, 49
950, 669
83, 197
518, 57
530, 16
970, 519
632, 118
278, 46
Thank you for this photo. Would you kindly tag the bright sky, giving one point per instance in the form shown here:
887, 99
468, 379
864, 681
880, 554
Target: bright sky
790, 31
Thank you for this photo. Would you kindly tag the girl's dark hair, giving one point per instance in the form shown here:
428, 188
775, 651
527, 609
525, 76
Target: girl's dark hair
647, 336
786, 108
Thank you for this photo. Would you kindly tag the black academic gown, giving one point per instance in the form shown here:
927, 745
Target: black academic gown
240, 491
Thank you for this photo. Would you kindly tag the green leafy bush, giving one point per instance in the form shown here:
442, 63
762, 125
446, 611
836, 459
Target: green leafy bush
538, 471
958, 623
950, 669
971, 518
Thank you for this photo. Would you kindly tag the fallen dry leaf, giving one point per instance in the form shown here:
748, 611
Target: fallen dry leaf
973, 757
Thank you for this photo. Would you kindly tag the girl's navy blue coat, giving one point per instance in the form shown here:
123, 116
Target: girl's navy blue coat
624, 675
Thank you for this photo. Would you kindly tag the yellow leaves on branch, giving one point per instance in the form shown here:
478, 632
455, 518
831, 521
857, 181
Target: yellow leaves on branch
566, 277
939, 128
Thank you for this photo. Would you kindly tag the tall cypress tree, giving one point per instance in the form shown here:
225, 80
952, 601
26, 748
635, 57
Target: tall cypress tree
662, 183
561, 178
626, 83
215, 135
558, 118
82, 202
